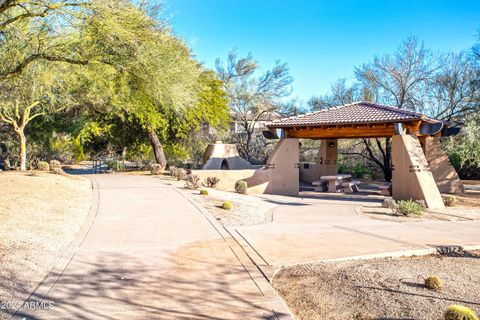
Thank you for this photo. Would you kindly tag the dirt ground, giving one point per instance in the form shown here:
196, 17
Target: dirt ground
380, 289
468, 199
40, 216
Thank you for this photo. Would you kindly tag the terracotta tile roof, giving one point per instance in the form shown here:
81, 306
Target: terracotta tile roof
356, 112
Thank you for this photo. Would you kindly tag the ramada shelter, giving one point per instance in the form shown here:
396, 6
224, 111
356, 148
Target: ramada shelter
421, 169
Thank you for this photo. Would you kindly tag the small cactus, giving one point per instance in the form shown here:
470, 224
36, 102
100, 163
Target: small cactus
192, 182
227, 205
241, 186
433, 283
212, 182
458, 312
204, 192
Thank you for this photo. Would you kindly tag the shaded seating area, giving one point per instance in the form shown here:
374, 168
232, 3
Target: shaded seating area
419, 165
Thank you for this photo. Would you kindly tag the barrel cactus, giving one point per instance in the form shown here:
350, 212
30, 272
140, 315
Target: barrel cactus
458, 312
227, 205
433, 283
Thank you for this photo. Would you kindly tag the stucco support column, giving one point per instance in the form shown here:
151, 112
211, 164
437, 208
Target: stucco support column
445, 176
327, 157
412, 178
282, 166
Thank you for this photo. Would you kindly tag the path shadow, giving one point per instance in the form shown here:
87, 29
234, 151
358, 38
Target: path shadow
118, 285
421, 295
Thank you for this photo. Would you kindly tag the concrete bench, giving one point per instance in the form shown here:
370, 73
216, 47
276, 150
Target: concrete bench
386, 189
320, 185
350, 186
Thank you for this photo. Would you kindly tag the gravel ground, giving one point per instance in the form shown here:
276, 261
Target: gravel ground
40, 217
380, 289
247, 209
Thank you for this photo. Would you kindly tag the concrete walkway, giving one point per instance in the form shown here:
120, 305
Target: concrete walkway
147, 252
311, 230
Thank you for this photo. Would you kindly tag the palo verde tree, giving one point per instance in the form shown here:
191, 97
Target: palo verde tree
145, 73
45, 30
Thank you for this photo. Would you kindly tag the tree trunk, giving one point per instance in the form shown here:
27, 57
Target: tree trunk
157, 147
388, 160
247, 146
23, 149
385, 162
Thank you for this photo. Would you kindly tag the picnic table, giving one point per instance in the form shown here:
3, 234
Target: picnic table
334, 181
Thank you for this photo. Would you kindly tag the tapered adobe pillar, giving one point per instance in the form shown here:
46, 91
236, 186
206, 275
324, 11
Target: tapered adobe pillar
412, 178
445, 176
282, 167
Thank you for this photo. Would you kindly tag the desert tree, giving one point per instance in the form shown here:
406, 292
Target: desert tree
454, 91
400, 80
340, 94
252, 96
144, 73
45, 30
32, 94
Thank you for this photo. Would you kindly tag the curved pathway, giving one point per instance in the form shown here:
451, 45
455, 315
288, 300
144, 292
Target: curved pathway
310, 230
148, 252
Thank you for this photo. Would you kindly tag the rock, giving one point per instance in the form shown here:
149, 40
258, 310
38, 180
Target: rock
389, 203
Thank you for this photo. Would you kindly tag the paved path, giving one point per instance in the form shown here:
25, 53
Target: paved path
310, 230
147, 252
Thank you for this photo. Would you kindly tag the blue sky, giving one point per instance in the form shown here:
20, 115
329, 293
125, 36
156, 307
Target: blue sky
320, 40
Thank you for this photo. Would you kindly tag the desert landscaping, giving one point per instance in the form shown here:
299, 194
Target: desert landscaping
224, 160
41, 215
381, 288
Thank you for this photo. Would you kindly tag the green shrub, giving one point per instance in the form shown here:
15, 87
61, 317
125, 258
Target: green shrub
43, 166
458, 312
422, 203
409, 207
227, 205
204, 192
192, 182
449, 200
342, 168
212, 182
241, 186
156, 168
359, 171
115, 165
433, 283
